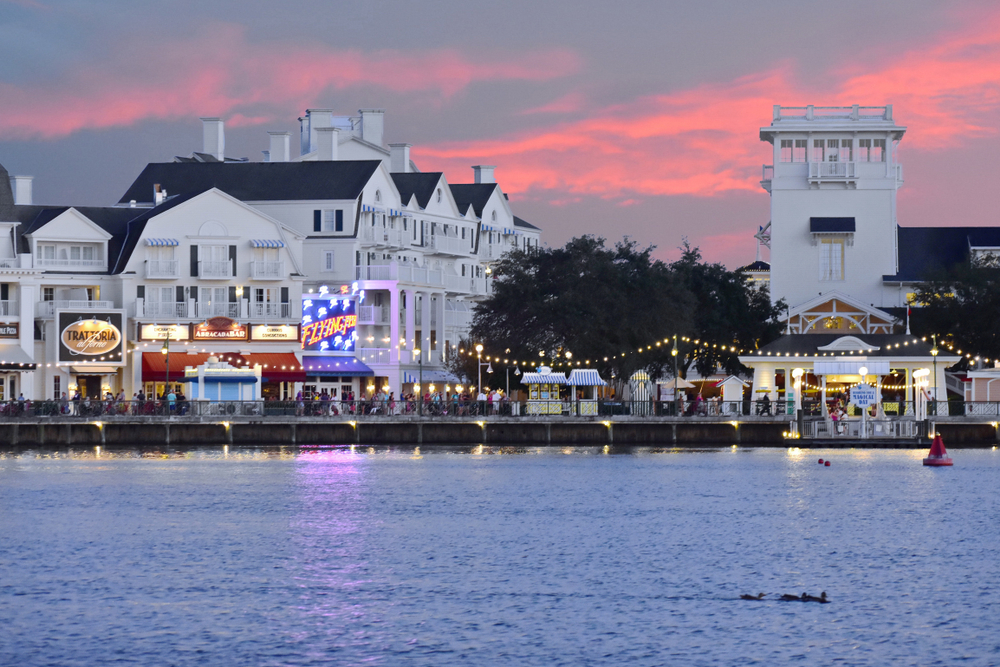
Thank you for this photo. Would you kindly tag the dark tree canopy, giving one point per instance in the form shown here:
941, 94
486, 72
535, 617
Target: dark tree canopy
599, 302
962, 302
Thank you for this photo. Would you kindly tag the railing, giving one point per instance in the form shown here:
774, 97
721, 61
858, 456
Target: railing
11, 263
10, 308
451, 245
279, 310
379, 236
164, 309
373, 355
812, 112
267, 270
50, 263
833, 170
231, 310
215, 270
402, 273
373, 315
162, 268
49, 308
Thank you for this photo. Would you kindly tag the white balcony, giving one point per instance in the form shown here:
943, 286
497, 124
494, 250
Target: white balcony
162, 269
163, 309
206, 310
393, 238
21, 262
10, 308
215, 270
271, 310
373, 315
767, 176
267, 270
401, 273
466, 285
450, 245
49, 308
84, 264
832, 171
373, 355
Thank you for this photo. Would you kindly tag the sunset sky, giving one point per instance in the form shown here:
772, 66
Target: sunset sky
609, 118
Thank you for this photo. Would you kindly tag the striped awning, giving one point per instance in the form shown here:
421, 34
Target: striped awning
543, 378
502, 230
366, 208
161, 242
266, 243
430, 376
585, 377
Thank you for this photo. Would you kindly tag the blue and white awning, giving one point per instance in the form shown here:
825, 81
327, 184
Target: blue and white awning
266, 243
430, 376
585, 377
368, 208
503, 230
543, 378
161, 242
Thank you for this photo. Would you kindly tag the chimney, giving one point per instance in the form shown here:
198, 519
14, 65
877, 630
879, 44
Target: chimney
21, 187
372, 125
159, 194
326, 143
314, 119
280, 146
484, 173
399, 158
213, 134
267, 156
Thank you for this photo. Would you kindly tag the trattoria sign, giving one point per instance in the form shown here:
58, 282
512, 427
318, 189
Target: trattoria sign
93, 337
220, 328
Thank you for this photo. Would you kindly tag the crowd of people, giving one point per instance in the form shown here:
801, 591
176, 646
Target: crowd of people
385, 403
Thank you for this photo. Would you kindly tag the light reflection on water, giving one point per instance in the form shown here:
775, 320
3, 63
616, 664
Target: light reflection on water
495, 555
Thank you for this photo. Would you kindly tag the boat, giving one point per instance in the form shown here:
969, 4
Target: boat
937, 456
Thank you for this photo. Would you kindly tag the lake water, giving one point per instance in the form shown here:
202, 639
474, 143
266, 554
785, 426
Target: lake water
515, 557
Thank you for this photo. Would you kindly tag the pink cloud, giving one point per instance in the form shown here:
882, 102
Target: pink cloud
220, 73
704, 141
569, 103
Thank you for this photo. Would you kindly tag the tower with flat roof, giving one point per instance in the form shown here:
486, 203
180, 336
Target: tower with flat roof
833, 182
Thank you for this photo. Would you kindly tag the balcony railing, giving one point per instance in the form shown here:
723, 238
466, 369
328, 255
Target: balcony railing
767, 176
12, 263
451, 245
840, 171
51, 263
373, 355
401, 273
215, 269
812, 112
373, 315
162, 268
49, 308
275, 310
164, 309
231, 310
267, 270
10, 308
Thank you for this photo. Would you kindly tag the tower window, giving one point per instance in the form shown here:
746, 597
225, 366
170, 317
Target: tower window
831, 259
793, 150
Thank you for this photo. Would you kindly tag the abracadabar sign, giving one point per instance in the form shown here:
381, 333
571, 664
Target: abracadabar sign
95, 337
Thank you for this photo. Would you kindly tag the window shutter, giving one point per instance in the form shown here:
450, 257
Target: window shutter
194, 292
317, 221
194, 261
4, 291
232, 258
140, 292
232, 294
340, 220
284, 295
180, 294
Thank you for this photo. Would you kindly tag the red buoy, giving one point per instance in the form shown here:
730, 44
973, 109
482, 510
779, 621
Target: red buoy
827, 464
937, 456
821, 461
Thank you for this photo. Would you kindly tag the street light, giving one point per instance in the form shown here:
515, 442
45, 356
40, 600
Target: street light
479, 366
165, 350
673, 353
420, 383
934, 353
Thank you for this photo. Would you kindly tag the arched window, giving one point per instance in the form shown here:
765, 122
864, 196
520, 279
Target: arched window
494, 216
378, 196
439, 195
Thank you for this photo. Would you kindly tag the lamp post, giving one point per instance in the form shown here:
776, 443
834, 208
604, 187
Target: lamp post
934, 353
863, 371
797, 384
165, 350
507, 372
420, 382
479, 367
673, 353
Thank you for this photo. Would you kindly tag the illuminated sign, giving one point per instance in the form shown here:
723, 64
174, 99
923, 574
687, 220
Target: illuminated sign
160, 332
90, 337
9, 331
329, 322
220, 328
274, 332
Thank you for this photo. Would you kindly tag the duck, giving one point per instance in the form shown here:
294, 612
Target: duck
812, 598
788, 598
759, 596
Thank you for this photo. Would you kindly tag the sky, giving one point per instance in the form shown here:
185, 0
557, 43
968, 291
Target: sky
630, 118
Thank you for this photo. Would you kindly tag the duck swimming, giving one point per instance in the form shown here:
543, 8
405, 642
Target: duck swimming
788, 598
812, 598
759, 596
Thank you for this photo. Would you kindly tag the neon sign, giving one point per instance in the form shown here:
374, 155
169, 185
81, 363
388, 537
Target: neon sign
329, 323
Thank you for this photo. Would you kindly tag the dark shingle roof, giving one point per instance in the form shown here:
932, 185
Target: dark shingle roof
521, 222
6, 197
129, 236
807, 344
257, 181
476, 194
756, 266
925, 249
420, 184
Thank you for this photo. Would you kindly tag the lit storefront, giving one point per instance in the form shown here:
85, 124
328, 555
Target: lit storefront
13, 361
91, 345
329, 333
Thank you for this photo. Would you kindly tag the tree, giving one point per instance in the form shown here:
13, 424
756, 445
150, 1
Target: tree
962, 301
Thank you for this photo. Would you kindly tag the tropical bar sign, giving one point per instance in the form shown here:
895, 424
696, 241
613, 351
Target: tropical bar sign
329, 323
90, 337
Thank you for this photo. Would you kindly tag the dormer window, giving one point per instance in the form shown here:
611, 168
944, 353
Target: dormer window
494, 216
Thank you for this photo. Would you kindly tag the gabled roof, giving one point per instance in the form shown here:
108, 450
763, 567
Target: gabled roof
113, 220
129, 236
6, 197
420, 184
521, 222
474, 194
881, 345
257, 181
924, 249
756, 267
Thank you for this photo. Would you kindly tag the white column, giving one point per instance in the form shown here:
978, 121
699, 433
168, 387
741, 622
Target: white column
425, 322
439, 329
394, 325
410, 316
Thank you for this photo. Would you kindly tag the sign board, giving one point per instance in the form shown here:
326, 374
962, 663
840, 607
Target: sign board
160, 331
220, 328
863, 395
90, 337
274, 332
10, 330
329, 323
